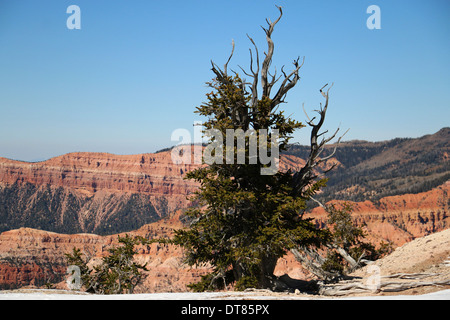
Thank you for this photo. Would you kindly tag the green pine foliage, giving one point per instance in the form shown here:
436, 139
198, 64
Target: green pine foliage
76, 259
117, 274
347, 235
245, 221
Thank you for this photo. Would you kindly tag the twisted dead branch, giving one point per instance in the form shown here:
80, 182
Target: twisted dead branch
359, 286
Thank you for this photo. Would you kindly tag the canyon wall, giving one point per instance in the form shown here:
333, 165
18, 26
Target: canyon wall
97, 192
105, 194
35, 257
399, 219
92, 192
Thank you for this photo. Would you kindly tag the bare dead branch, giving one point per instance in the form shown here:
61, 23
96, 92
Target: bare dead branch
255, 74
223, 74
288, 83
305, 176
306, 114
352, 287
268, 59
229, 58
313, 262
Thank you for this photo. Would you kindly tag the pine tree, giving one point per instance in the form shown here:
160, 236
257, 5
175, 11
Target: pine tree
75, 259
347, 250
117, 274
246, 220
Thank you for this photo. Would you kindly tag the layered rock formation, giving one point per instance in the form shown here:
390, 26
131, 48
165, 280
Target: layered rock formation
91, 192
400, 219
97, 192
106, 194
90, 172
395, 219
34, 257
30, 257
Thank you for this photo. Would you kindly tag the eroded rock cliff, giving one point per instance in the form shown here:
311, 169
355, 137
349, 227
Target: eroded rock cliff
91, 192
35, 257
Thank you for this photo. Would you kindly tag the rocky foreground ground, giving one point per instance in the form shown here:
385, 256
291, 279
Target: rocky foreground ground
419, 269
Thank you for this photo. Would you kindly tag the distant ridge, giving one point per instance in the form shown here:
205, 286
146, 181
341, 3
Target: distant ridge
372, 170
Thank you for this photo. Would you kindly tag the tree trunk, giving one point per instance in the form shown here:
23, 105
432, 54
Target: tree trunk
267, 280
313, 262
265, 277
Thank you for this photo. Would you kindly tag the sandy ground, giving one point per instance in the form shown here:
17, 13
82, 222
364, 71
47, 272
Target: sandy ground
42, 294
426, 255
419, 255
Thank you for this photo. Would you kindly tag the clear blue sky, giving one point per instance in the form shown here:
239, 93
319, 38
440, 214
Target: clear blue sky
137, 69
